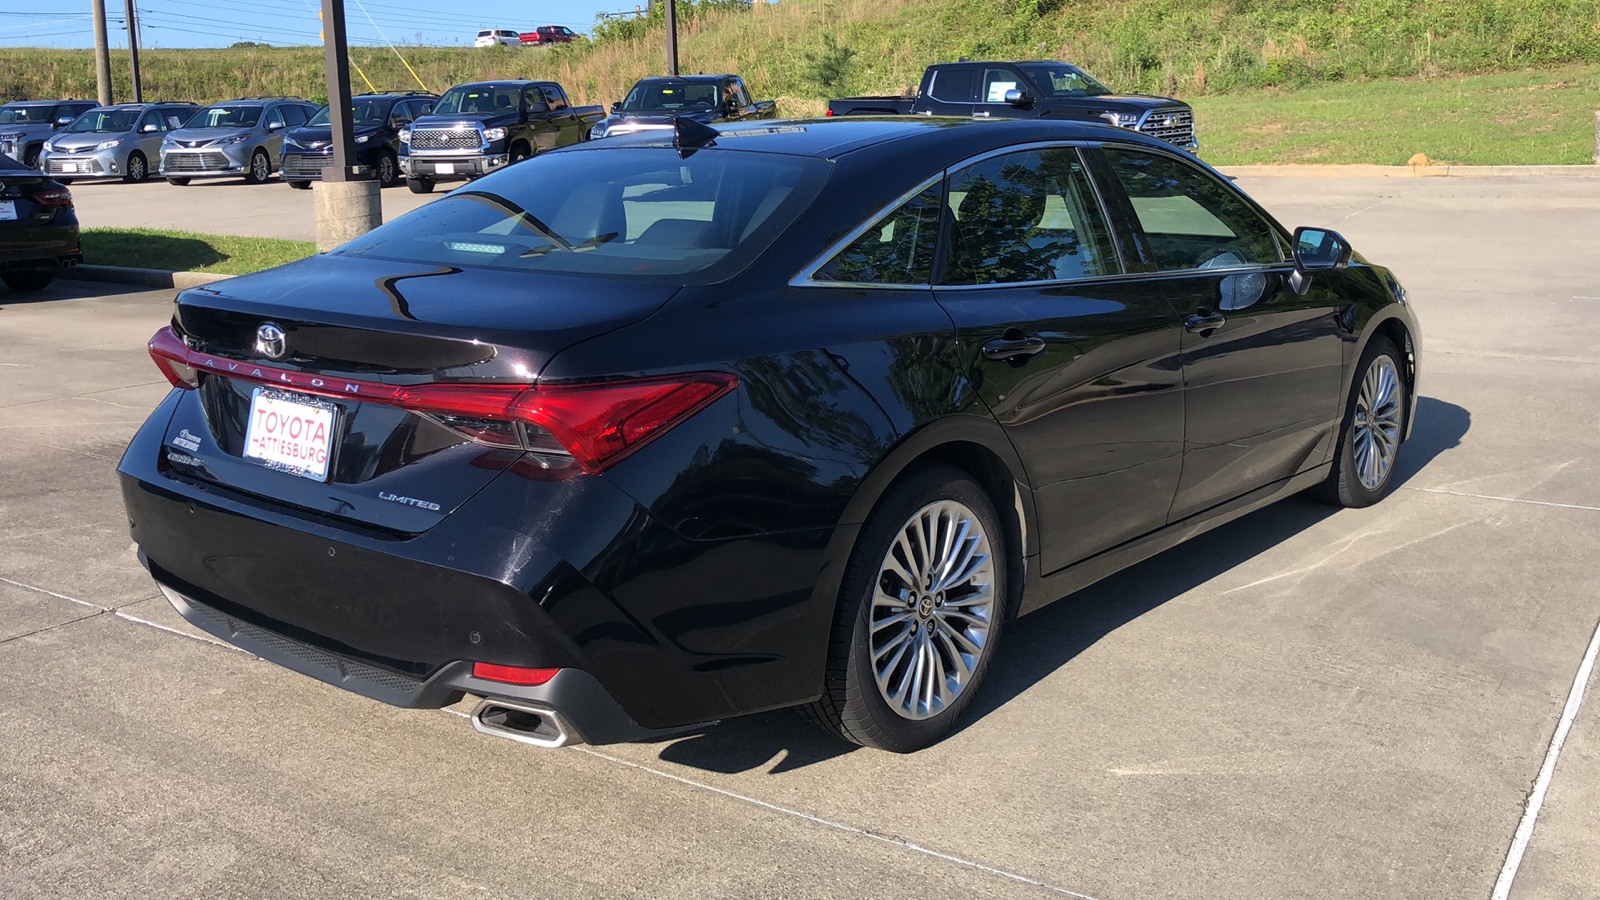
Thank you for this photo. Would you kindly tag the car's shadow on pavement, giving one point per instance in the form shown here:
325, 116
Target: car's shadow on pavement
1039, 644
67, 289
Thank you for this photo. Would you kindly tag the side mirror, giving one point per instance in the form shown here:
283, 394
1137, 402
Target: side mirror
1317, 250
63, 122
616, 106
1017, 98
149, 128
274, 126
536, 106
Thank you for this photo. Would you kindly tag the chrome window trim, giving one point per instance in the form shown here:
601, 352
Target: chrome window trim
1125, 276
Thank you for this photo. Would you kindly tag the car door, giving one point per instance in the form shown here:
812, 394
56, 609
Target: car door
1078, 361
1262, 363
567, 127
149, 142
992, 89
273, 125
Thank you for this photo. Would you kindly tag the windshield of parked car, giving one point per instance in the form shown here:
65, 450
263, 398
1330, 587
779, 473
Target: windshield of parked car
105, 121
364, 113
24, 115
1061, 80
479, 98
226, 117
670, 95
634, 213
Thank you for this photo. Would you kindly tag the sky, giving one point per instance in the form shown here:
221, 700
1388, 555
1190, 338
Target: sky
218, 23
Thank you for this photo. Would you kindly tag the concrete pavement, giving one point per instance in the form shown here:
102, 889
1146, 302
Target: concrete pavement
1304, 703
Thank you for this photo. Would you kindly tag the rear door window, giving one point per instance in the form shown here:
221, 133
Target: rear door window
1028, 216
1190, 219
897, 249
294, 115
955, 85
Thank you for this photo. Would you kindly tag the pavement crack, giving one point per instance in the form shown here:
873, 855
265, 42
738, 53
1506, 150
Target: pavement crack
4, 641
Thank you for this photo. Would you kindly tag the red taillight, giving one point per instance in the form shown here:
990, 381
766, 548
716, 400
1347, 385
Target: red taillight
828, 113
512, 674
596, 424
55, 197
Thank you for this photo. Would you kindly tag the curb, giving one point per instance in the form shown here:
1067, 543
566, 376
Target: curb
1429, 171
157, 278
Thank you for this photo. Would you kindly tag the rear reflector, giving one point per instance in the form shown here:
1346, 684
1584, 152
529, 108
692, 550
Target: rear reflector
597, 424
512, 674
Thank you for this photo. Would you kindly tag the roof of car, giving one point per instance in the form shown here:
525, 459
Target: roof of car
503, 82
246, 101
43, 102
830, 138
660, 79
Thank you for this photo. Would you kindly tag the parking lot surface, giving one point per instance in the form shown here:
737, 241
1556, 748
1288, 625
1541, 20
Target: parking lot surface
1304, 703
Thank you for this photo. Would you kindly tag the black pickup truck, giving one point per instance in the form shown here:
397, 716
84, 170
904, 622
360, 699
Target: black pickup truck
708, 99
480, 128
1030, 90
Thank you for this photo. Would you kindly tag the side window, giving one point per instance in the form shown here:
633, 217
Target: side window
402, 113
996, 82
955, 85
421, 108
1190, 219
554, 97
1027, 216
897, 249
274, 118
152, 117
530, 96
294, 115
176, 117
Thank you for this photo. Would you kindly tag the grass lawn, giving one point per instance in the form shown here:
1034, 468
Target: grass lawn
188, 251
1515, 118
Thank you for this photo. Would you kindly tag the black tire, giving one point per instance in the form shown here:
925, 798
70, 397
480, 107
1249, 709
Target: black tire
420, 185
1349, 484
299, 185
388, 170
28, 280
853, 706
519, 152
138, 168
30, 156
180, 182
260, 168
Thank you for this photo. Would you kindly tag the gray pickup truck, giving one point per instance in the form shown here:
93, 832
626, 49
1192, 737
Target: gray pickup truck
1030, 90
483, 127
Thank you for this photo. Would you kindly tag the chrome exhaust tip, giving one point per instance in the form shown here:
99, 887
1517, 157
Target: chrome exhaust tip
523, 723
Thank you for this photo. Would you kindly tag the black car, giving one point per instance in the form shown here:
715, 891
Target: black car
376, 120
708, 99
483, 127
38, 227
672, 427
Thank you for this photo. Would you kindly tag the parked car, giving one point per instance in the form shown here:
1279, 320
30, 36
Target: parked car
113, 141
478, 128
504, 37
1030, 90
655, 102
235, 137
38, 227
545, 35
676, 426
26, 124
377, 120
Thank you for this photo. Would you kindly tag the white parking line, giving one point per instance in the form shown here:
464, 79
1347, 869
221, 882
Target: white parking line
1504, 499
1541, 784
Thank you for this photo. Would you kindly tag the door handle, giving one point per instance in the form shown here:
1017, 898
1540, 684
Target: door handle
1017, 349
1204, 320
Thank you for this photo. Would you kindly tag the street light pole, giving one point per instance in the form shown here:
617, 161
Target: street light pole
102, 54
133, 49
347, 198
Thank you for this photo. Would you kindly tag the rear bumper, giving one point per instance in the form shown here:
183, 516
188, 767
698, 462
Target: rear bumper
42, 247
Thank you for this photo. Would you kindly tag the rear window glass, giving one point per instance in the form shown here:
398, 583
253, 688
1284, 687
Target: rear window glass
625, 213
24, 115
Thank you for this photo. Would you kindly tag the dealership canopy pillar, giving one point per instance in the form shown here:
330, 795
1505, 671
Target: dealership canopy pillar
347, 198
672, 37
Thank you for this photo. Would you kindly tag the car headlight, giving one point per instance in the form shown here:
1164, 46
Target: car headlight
169, 142
494, 134
107, 145
291, 142
1121, 119
599, 131
405, 135
363, 138
223, 142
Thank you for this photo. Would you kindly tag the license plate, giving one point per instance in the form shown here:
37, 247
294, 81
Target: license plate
8, 210
69, 167
444, 168
290, 432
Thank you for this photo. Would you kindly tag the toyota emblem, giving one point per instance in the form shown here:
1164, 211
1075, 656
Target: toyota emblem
271, 342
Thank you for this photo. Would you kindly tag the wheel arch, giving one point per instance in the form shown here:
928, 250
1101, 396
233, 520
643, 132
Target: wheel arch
1390, 322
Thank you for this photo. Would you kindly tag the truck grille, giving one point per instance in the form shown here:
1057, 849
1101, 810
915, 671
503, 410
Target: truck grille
57, 166
303, 166
446, 139
1174, 125
195, 162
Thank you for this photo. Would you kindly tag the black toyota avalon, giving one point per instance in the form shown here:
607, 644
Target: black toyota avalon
655, 431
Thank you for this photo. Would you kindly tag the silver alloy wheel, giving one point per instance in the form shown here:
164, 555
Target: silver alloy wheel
260, 167
932, 609
1375, 433
136, 170
385, 171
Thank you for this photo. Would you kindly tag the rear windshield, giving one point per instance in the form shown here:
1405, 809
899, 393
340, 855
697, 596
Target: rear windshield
635, 213
672, 95
225, 117
24, 115
105, 121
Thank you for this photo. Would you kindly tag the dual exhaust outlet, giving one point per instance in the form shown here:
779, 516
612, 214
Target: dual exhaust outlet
524, 723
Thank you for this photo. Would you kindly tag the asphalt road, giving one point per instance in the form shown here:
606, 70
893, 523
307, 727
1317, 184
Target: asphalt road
1304, 703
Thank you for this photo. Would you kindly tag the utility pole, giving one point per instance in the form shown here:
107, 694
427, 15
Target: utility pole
672, 37
133, 49
102, 54
347, 197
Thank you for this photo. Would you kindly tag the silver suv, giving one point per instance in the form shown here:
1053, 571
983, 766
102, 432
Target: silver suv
113, 141
27, 124
236, 137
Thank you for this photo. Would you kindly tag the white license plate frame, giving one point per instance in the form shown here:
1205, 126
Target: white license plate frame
69, 168
315, 410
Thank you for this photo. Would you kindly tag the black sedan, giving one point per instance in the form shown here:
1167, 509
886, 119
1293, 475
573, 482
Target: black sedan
38, 227
682, 425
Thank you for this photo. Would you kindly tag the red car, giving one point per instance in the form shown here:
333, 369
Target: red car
548, 34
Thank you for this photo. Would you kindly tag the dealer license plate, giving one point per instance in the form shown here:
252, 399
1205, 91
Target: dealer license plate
290, 432
444, 168
69, 167
8, 210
